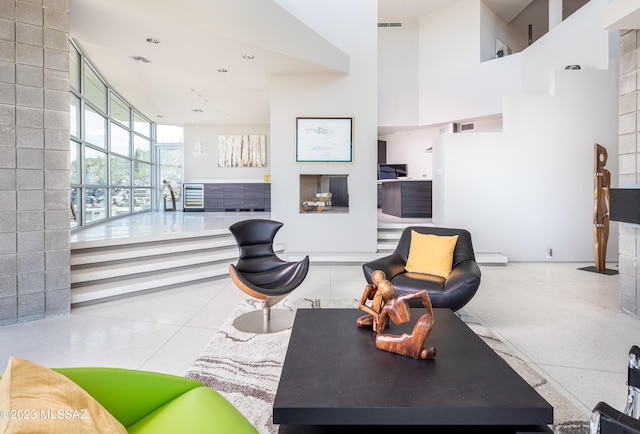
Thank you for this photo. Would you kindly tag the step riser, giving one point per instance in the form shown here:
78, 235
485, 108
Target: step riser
96, 256
114, 269
130, 286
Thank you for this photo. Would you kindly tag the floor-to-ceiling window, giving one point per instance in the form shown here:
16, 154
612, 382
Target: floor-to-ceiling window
110, 149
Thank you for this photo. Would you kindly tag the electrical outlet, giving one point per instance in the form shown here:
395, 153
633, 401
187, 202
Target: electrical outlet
549, 253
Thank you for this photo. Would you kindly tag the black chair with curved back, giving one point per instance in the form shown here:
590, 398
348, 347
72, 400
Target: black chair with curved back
261, 274
453, 291
606, 419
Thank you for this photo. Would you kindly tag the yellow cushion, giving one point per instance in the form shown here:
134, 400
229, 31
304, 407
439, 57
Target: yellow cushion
34, 399
431, 254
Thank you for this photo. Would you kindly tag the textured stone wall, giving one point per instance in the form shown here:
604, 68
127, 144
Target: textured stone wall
34, 159
629, 165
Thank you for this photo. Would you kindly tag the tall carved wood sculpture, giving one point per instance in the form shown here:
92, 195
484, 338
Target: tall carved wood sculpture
601, 185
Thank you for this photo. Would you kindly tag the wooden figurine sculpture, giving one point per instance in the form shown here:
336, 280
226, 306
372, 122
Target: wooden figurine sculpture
601, 185
384, 306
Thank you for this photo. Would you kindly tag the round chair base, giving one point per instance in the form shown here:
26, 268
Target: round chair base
254, 321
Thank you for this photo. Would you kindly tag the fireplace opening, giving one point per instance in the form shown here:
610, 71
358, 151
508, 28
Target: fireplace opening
324, 194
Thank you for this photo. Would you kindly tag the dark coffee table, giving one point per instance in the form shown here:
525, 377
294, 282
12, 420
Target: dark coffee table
335, 380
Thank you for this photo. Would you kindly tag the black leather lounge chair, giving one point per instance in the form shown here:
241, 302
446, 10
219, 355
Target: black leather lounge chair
262, 275
606, 419
452, 292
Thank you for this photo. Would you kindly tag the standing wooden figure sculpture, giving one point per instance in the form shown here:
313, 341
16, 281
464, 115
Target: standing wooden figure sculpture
601, 185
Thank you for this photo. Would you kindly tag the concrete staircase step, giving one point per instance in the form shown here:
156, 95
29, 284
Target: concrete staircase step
97, 255
115, 269
105, 290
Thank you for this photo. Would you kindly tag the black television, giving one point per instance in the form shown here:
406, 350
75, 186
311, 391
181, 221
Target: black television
624, 205
391, 171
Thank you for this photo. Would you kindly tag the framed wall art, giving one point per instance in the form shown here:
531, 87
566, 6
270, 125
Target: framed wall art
324, 140
248, 150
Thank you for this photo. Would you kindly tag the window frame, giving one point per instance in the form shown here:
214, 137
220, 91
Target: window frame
80, 189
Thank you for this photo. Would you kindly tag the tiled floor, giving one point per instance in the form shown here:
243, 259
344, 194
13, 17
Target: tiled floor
564, 321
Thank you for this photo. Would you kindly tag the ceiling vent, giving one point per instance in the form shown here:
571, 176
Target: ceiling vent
139, 59
389, 25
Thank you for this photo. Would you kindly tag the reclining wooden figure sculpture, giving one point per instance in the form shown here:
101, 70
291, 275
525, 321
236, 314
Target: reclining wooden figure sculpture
384, 306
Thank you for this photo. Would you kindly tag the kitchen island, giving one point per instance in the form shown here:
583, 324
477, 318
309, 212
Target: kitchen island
405, 197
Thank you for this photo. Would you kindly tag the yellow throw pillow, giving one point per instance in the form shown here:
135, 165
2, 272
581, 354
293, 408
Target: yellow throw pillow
431, 254
34, 399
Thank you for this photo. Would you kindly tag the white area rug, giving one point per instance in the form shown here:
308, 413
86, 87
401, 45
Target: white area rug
245, 368
569, 419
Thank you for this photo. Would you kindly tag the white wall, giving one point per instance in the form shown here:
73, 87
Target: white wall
455, 85
353, 30
206, 166
531, 187
398, 74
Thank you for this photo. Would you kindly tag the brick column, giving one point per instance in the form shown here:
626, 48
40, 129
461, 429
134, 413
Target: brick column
34, 159
629, 158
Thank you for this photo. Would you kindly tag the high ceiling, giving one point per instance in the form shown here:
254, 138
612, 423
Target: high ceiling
195, 41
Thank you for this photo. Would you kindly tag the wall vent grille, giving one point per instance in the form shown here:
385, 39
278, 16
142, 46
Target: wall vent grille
471, 126
389, 25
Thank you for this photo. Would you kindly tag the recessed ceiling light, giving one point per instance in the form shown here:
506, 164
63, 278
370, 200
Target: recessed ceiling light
159, 116
153, 40
222, 70
139, 59
248, 56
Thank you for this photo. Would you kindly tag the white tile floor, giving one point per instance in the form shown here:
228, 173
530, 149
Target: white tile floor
564, 321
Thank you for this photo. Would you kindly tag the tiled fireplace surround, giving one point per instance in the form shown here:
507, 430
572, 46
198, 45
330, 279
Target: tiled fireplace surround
629, 166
